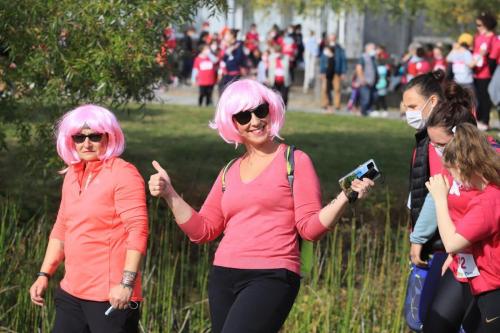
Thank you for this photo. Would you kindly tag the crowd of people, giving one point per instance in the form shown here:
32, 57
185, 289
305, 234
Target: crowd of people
218, 58
454, 199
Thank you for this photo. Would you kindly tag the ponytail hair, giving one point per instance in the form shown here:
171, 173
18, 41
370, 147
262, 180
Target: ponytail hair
470, 152
428, 84
456, 108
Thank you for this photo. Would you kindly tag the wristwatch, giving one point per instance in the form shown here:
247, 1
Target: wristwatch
47, 275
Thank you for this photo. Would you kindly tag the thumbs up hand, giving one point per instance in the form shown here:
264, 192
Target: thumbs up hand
159, 183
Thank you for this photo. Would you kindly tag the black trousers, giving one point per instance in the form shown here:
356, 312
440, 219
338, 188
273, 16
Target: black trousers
227, 80
381, 103
75, 315
483, 100
489, 305
453, 306
205, 93
283, 91
250, 300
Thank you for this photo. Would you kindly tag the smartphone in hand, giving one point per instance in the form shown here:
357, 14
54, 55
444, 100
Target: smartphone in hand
366, 170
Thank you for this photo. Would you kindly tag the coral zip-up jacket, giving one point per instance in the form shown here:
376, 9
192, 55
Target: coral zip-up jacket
102, 215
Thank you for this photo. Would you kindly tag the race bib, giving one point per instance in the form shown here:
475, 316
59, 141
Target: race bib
279, 72
466, 266
206, 65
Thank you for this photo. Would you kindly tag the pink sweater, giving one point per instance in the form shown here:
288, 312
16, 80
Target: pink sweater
261, 220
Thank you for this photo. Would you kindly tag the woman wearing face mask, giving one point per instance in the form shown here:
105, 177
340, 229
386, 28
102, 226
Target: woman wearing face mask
475, 237
255, 276
420, 97
450, 305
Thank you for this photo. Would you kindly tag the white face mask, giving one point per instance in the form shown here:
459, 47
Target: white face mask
414, 117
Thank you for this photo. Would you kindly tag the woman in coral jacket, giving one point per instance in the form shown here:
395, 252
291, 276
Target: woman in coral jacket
101, 229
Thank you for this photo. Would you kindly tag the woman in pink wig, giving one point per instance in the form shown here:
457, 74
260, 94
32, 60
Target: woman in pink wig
101, 228
255, 276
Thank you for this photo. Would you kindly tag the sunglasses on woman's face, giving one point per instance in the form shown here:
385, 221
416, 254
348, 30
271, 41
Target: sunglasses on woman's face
244, 117
94, 137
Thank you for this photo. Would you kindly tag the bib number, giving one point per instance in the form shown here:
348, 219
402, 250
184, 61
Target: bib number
466, 266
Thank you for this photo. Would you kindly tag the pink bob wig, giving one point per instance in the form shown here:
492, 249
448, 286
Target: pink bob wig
244, 95
99, 120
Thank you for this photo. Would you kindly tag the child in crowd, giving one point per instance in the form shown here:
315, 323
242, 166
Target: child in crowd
205, 74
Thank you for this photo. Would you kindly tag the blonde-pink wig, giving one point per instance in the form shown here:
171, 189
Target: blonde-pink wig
244, 95
96, 118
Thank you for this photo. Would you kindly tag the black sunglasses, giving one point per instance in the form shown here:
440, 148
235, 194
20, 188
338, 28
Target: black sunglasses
244, 117
94, 137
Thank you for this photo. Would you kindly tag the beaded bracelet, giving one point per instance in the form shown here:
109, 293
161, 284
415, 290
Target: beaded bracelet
128, 279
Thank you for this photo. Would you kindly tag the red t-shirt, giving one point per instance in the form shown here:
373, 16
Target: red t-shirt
207, 71
483, 43
435, 162
439, 64
252, 40
419, 67
495, 50
279, 72
481, 227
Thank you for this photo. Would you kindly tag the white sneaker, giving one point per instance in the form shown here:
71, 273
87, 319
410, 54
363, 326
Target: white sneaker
374, 114
384, 114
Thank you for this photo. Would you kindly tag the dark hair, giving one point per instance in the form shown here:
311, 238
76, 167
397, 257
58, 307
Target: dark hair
489, 21
455, 109
428, 84
420, 52
234, 32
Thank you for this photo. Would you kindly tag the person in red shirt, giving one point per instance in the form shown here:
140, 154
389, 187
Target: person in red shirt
475, 164
255, 277
484, 66
439, 59
279, 72
418, 64
252, 38
101, 247
205, 74
450, 306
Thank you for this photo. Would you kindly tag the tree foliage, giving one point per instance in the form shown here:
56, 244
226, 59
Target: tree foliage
57, 54
108, 52
441, 14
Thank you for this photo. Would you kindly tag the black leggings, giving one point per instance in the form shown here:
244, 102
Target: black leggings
81, 316
283, 91
205, 92
453, 306
489, 305
250, 300
483, 100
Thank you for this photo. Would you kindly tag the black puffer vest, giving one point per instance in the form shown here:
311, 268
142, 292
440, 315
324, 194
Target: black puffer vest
419, 174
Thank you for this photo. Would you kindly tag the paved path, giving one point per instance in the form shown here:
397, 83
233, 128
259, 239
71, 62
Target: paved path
298, 101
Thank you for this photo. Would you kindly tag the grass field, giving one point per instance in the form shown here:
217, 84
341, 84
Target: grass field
357, 282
